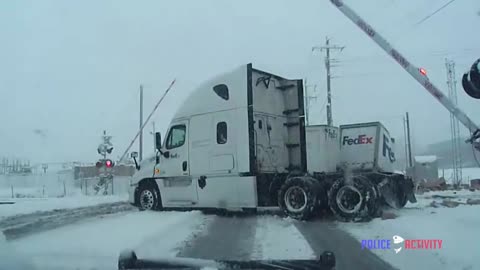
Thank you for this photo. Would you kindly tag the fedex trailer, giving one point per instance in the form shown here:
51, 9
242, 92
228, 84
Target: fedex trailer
239, 141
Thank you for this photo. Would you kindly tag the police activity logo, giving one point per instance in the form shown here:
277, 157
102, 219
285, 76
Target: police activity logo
399, 243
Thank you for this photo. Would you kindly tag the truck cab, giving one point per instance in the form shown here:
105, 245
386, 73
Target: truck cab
225, 144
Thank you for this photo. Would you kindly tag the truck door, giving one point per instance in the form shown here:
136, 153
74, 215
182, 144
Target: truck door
178, 188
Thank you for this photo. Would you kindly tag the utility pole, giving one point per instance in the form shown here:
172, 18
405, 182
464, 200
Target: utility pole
407, 165
308, 98
140, 140
409, 142
454, 124
328, 66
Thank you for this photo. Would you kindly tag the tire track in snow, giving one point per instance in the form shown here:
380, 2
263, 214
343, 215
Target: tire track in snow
278, 238
325, 235
224, 238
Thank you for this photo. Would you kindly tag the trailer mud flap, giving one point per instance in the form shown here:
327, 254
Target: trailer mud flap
396, 192
409, 189
388, 194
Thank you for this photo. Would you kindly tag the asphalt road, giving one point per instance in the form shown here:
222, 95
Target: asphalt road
233, 237
324, 235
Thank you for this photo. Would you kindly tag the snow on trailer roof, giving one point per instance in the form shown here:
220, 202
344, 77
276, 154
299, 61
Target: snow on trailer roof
425, 159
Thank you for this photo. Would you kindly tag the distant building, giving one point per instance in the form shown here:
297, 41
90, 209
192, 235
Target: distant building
425, 168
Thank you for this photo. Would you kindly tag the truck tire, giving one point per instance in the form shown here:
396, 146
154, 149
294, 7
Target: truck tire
348, 201
372, 199
149, 197
298, 197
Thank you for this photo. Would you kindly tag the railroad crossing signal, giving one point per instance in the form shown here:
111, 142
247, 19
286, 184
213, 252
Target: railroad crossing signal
471, 81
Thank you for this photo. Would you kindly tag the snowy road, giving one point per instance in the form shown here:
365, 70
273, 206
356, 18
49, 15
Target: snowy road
96, 242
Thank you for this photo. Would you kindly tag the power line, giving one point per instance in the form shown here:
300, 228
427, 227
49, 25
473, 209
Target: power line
465, 52
435, 12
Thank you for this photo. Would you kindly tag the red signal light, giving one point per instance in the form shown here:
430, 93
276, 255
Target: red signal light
108, 163
423, 71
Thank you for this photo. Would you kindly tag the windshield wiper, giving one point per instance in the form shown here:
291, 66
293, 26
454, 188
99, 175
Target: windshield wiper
128, 260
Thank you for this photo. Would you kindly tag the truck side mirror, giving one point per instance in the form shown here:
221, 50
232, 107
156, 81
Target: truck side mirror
158, 141
134, 155
166, 154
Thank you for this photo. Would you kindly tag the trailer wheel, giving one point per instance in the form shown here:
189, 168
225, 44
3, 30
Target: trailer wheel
149, 197
348, 200
298, 197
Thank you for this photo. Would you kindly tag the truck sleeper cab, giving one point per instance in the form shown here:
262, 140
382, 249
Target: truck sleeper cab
228, 143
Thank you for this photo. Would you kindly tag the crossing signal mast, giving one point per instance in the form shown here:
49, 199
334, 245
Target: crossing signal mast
105, 165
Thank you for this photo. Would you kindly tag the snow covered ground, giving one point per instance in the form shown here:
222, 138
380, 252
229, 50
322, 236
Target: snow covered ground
457, 227
96, 243
30, 205
51, 191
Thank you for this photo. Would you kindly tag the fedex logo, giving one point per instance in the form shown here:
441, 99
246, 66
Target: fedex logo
387, 150
361, 139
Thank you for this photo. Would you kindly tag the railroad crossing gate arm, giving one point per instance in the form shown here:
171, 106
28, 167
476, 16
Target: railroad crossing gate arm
417, 73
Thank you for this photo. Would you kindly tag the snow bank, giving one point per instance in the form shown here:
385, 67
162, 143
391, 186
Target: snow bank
30, 205
425, 159
457, 227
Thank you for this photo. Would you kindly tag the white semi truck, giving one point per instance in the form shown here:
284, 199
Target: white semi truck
239, 141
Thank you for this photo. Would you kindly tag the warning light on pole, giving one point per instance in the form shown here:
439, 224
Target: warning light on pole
423, 71
108, 163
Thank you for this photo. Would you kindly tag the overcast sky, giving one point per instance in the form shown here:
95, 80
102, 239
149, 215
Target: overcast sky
70, 69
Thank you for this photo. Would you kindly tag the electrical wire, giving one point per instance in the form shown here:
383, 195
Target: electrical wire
435, 12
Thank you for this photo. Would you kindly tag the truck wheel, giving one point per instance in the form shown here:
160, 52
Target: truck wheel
298, 197
372, 199
149, 198
348, 200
